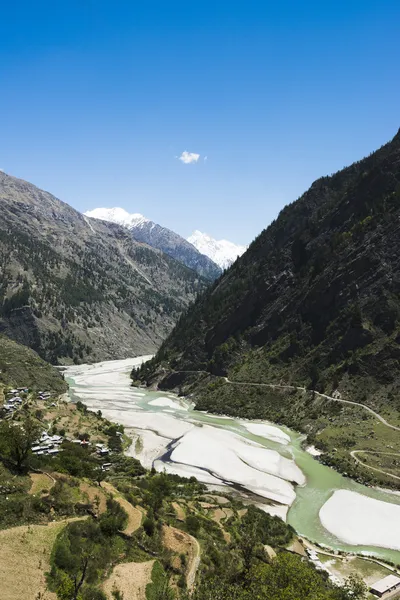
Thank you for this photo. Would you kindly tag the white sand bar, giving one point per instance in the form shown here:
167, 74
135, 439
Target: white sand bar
146, 446
232, 458
167, 402
163, 424
359, 520
270, 432
313, 451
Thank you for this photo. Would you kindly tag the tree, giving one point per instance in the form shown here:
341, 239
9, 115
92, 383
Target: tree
16, 440
73, 554
355, 587
99, 475
192, 525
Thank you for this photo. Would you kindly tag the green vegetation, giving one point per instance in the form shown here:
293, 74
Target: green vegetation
16, 440
84, 550
22, 367
287, 577
159, 588
314, 303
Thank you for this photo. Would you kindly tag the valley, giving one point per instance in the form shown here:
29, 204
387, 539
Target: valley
276, 472
200, 301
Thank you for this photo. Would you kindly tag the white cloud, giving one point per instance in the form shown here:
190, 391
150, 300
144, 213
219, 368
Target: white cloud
189, 157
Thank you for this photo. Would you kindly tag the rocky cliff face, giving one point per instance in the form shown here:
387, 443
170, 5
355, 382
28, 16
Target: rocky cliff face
315, 300
161, 238
78, 289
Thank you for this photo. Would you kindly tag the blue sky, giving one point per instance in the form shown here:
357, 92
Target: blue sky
99, 98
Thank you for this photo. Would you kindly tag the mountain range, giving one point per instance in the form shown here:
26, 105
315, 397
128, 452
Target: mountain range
162, 238
314, 303
80, 289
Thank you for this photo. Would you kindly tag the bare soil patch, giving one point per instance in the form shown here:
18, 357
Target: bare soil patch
180, 513
40, 482
297, 546
130, 579
182, 543
91, 492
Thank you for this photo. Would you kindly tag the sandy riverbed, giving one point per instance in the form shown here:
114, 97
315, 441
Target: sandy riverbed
359, 520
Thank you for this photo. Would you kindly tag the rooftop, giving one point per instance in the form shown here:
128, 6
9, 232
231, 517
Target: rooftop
386, 584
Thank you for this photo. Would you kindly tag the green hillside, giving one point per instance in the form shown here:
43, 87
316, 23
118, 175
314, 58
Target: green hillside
22, 367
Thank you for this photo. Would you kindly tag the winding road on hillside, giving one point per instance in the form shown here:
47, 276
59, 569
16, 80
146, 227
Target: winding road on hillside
360, 462
301, 389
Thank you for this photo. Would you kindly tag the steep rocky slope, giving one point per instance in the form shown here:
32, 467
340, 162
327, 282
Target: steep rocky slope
315, 302
162, 238
74, 288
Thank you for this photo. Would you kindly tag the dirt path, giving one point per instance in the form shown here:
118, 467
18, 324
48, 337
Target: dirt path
302, 389
182, 543
135, 515
130, 579
360, 462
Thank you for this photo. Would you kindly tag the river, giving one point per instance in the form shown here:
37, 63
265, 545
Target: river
264, 462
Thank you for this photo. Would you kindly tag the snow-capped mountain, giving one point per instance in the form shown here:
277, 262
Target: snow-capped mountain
119, 216
144, 230
222, 252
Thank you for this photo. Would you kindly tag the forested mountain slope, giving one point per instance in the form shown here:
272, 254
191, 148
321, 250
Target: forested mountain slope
78, 289
314, 301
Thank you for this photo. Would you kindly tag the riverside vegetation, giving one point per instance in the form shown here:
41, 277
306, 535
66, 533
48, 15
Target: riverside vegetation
314, 303
76, 523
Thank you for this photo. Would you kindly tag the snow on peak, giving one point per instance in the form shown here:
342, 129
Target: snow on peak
119, 216
222, 252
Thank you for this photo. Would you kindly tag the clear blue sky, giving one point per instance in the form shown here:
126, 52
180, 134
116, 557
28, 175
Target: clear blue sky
98, 98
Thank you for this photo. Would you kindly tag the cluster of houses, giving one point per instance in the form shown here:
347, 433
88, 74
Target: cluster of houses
388, 587
313, 556
102, 450
14, 400
47, 444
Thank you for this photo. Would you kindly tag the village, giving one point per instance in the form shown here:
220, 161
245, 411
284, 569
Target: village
49, 443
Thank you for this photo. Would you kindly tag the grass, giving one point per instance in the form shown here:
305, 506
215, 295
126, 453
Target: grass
368, 570
158, 581
355, 430
40, 483
24, 559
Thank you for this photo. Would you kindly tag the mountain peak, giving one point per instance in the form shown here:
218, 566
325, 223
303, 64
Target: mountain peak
222, 252
118, 215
